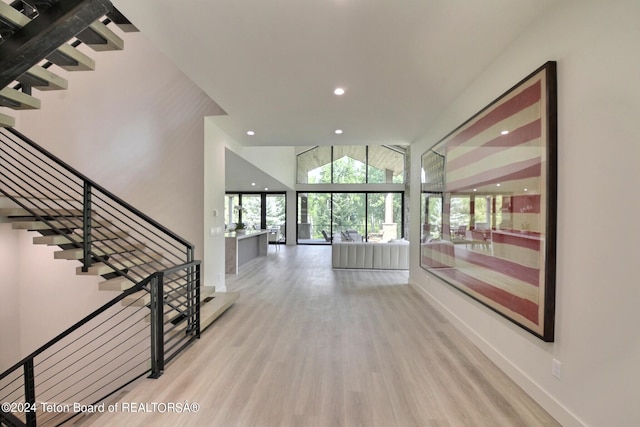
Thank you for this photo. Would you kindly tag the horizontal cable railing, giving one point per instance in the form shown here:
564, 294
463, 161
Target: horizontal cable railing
102, 354
112, 239
106, 233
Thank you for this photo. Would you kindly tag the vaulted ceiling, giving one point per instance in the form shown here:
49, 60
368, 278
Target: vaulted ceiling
273, 65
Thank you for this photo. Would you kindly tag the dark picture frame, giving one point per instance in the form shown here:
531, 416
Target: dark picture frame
488, 204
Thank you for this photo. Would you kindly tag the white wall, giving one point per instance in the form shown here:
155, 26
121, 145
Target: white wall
279, 162
214, 225
597, 337
10, 298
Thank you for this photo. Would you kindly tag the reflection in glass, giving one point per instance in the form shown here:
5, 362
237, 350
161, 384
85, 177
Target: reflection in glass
485, 207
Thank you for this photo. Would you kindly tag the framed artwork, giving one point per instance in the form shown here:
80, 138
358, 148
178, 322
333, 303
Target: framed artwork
488, 208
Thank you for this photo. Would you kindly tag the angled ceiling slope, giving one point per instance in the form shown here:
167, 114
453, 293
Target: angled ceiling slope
241, 174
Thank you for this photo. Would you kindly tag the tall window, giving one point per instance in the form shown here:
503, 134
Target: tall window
349, 165
256, 210
314, 166
356, 164
231, 209
386, 165
324, 217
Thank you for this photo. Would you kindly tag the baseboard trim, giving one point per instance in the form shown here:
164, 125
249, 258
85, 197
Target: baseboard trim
563, 415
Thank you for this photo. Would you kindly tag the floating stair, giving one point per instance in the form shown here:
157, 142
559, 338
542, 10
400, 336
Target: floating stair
102, 269
75, 238
77, 253
116, 284
17, 100
32, 43
6, 121
69, 58
43, 79
212, 305
66, 224
100, 38
23, 213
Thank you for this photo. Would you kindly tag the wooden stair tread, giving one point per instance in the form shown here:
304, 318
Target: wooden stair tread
100, 268
78, 253
13, 16
137, 299
21, 213
212, 305
100, 38
115, 284
64, 239
7, 121
213, 309
69, 58
67, 224
17, 100
43, 79
66, 56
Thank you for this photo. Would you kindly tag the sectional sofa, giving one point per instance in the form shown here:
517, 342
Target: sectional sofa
369, 255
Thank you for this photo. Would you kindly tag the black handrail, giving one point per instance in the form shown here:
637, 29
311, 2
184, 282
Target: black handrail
160, 336
77, 325
106, 192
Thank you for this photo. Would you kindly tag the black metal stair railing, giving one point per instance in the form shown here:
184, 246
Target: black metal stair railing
110, 238
115, 238
93, 360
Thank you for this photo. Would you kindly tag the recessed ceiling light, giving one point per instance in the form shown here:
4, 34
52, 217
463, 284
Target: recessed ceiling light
339, 91
250, 133
475, 189
338, 131
266, 189
497, 185
504, 132
526, 189
253, 183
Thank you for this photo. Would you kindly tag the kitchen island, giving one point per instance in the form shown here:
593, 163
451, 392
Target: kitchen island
241, 248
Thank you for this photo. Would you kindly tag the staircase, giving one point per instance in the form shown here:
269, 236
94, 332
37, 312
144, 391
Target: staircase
116, 253
37, 34
162, 306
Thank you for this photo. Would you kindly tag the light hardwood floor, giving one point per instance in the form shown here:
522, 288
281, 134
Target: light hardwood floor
306, 345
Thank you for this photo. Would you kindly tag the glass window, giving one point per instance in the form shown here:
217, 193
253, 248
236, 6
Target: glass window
349, 215
231, 209
384, 216
350, 165
252, 210
314, 218
327, 217
314, 166
276, 212
386, 165
356, 164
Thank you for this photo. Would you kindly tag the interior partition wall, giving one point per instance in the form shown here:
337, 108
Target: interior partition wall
325, 217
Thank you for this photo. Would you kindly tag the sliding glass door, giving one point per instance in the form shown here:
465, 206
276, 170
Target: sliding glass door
324, 217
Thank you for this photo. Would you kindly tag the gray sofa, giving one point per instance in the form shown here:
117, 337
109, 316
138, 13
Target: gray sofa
370, 255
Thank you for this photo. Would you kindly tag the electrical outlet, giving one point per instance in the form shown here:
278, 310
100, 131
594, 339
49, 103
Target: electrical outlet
556, 368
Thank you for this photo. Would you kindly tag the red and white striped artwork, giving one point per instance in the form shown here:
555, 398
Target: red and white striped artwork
503, 154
